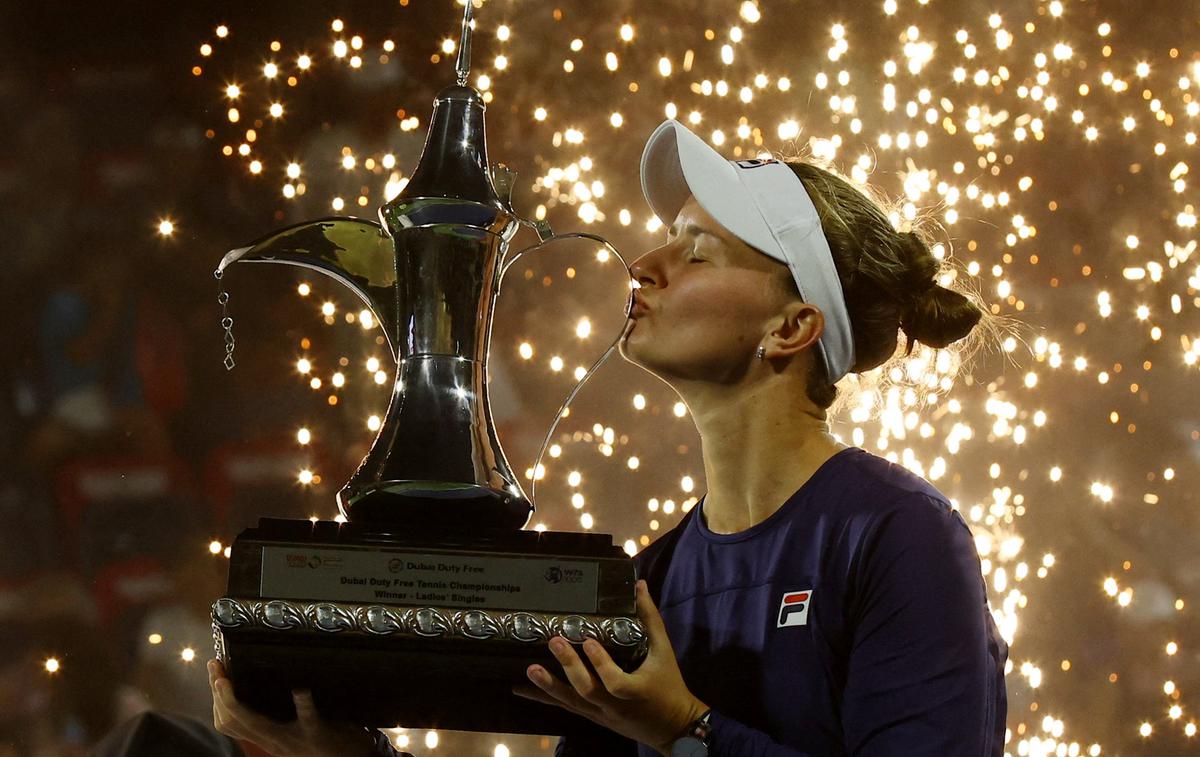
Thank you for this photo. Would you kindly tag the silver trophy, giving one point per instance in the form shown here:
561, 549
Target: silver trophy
430, 601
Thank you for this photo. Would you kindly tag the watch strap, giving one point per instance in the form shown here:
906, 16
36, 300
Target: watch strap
701, 727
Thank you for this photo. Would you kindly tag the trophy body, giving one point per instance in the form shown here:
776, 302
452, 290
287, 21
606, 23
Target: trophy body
441, 448
427, 605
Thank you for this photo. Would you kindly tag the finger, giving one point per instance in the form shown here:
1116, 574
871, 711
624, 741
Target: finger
252, 725
581, 679
218, 711
306, 711
532, 692
560, 691
216, 716
615, 680
216, 671
223, 723
648, 613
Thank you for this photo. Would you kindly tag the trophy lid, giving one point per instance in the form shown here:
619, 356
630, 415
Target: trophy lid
454, 163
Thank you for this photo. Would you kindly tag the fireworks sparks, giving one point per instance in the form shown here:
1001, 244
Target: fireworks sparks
981, 125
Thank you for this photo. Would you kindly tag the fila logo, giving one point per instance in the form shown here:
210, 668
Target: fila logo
793, 610
755, 162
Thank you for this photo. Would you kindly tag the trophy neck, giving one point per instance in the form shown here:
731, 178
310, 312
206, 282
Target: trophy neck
405, 213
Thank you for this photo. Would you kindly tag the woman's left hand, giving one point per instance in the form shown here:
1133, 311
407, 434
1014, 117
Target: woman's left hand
651, 705
309, 735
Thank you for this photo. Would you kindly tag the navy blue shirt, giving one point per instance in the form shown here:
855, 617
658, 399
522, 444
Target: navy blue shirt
852, 621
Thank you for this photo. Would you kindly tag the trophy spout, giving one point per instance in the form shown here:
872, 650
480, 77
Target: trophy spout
356, 252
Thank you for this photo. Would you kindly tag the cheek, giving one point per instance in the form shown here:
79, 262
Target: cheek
704, 330
712, 299
711, 313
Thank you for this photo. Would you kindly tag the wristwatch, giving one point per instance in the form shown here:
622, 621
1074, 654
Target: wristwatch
695, 743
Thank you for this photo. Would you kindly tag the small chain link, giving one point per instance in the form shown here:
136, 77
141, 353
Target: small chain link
226, 320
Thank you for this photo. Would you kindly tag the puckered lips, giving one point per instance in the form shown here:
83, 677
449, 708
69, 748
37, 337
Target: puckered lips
637, 306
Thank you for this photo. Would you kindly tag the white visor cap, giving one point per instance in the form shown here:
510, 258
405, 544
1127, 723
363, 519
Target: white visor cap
763, 203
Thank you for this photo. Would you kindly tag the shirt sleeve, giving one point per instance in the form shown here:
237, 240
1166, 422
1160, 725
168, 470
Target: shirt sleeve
732, 738
922, 673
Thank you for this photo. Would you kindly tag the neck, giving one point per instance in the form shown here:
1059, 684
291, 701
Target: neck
760, 444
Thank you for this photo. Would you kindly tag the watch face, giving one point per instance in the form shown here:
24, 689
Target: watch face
689, 746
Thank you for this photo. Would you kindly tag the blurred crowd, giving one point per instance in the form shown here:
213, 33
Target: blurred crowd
111, 485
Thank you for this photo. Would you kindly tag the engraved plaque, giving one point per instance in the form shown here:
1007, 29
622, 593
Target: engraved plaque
443, 579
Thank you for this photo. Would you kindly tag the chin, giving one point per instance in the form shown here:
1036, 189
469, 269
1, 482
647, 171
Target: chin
641, 355
624, 346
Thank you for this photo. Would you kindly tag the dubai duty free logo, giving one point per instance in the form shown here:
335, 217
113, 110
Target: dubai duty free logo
793, 608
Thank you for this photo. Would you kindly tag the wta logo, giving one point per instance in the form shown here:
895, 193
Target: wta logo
793, 610
755, 162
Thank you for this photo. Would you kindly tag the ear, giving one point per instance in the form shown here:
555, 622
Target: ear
797, 329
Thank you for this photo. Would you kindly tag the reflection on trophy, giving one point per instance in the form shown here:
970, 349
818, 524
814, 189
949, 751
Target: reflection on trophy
428, 604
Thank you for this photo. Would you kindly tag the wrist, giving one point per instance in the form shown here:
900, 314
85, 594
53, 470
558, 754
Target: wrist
695, 710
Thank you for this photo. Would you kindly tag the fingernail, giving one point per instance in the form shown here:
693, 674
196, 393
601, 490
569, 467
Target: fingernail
558, 644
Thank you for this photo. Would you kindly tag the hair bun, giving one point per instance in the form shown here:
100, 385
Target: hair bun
940, 318
921, 278
937, 316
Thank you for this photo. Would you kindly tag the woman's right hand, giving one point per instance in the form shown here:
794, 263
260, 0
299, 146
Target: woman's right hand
307, 736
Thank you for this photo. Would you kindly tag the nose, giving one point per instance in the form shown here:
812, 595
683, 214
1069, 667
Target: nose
640, 272
644, 272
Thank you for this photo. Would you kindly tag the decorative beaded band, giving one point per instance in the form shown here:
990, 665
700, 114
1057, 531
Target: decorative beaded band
423, 622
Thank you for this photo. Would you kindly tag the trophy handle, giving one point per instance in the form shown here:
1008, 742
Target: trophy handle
504, 178
547, 237
354, 251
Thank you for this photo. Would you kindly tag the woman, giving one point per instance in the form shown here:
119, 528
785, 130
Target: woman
818, 600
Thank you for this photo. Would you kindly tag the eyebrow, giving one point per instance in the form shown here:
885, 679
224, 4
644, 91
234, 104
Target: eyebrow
692, 229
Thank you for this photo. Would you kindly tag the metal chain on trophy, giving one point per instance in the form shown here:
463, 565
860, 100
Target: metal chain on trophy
226, 320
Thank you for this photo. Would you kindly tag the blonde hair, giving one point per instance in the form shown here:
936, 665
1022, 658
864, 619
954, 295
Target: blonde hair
888, 278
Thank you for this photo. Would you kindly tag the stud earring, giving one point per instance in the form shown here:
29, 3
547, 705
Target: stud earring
762, 352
